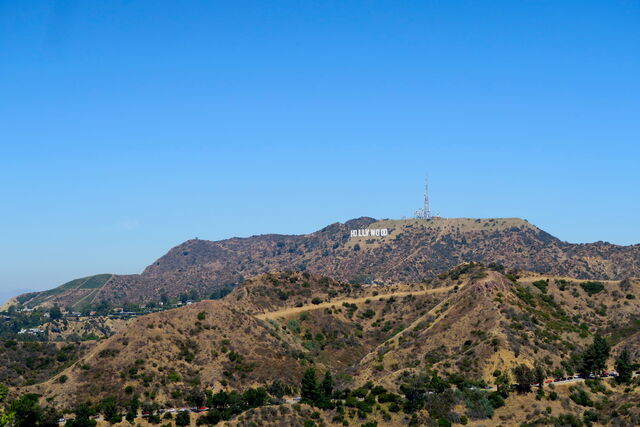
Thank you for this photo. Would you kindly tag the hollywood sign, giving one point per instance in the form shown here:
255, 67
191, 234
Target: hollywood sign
369, 232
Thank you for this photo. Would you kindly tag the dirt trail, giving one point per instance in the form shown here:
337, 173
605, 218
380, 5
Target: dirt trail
295, 310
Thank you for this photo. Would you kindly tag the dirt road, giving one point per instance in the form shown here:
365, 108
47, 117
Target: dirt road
296, 310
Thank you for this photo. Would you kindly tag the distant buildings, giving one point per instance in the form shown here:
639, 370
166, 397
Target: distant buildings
31, 331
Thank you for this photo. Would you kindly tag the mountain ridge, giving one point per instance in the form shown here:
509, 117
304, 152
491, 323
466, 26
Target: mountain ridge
413, 250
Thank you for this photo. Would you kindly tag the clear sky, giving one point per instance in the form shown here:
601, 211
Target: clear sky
127, 127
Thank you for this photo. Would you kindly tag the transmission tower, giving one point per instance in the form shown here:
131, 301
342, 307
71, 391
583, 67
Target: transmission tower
425, 211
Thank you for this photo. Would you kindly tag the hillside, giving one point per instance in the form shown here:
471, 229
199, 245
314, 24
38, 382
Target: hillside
76, 295
413, 250
469, 322
495, 323
224, 343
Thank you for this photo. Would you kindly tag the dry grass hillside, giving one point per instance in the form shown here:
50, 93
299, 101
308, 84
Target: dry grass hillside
468, 322
224, 343
83, 328
495, 322
412, 251
162, 356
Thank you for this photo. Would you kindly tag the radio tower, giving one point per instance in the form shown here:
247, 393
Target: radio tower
425, 211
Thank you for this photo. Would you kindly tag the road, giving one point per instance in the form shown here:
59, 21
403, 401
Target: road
296, 310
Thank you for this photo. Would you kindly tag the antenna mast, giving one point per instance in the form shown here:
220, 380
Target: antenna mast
427, 210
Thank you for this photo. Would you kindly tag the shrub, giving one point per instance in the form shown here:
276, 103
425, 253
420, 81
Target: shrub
581, 397
478, 406
542, 285
592, 288
108, 352
183, 418
174, 377
294, 326
368, 314
496, 399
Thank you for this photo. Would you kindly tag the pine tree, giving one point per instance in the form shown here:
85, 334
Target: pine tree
624, 366
594, 359
539, 375
327, 385
309, 387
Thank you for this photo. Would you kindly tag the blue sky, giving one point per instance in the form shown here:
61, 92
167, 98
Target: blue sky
128, 127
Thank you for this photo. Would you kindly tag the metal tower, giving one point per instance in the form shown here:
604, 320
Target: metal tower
425, 211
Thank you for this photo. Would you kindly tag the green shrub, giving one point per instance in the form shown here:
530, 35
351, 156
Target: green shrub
368, 314
581, 397
542, 285
183, 418
592, 288
294, 326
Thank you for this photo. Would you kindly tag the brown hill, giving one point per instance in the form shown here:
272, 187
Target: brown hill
231, 343
494, 322
470, 321
414, 250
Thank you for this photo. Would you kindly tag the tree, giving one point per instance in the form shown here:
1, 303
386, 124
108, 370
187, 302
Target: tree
27, 411
255, 397
539, 375
111, 410
134, 405
183, 418
6, 417
83, 412
278, 389
327, 385
624, 366
437, 384
503, 384
55, 313
164, 298
524, 377
309, 387
49, 417
594, 358
196, 397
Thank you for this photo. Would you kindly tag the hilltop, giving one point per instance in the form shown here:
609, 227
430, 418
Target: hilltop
413, 250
